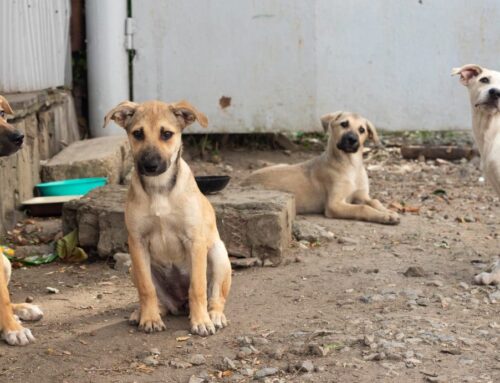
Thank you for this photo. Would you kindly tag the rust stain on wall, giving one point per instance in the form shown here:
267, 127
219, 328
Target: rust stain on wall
224, 102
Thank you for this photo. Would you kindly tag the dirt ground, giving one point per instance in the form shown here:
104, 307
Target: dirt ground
339, 311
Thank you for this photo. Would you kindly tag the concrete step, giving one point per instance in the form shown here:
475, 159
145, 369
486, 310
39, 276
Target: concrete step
252, 223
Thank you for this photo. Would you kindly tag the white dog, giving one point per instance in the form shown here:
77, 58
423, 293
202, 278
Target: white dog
484, 91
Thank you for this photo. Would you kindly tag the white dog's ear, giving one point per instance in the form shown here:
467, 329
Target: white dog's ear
121, 114
372, 133
328, 118
467, 72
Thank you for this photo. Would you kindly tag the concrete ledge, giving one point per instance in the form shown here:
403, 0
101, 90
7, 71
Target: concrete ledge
98, 157
252, 223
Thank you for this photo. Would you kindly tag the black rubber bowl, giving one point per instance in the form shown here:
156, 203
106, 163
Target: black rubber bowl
212, 184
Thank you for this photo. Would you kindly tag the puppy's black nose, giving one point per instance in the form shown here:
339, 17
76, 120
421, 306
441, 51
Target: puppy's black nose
494, 93
151, 167
16, 138
352, 139
151, 163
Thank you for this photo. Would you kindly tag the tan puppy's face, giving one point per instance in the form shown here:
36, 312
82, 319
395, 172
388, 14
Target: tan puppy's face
154, 129
11, 140
483, 85
348, 131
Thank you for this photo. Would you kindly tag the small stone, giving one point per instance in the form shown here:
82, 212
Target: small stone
244, 352
122, 262
259, 341
423, 302
247, 371
52, 290
99, 296
155, 351
368, 340
196, 379
305, 366
29, 299
435, 283
347, 241
267, 371
197, 359
229, 363
244, 340
464, 285
180, 364
415, 271
150, 361
316, 349
412, 362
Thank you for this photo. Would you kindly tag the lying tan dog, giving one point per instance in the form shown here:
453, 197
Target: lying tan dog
13, 332
174, 244
484, 91
335, 183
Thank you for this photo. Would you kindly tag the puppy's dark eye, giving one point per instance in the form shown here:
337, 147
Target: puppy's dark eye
361, 129
344, 124
484, 80
2, 113
138, 134
165, 135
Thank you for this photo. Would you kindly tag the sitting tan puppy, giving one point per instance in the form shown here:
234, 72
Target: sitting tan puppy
174, 244
484, 91
335, 183
13, 332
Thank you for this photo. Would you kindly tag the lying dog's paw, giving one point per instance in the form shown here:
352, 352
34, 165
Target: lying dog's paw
204, 328
28, 312
218, 319
392, 218
20, 337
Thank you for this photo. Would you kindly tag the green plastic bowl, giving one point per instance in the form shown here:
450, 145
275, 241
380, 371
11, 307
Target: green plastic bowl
77, 186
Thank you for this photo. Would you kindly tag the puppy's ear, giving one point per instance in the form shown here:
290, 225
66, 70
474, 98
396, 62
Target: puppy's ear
327, 119
121, 114
187, 114
467, 72
372, 133
5, 105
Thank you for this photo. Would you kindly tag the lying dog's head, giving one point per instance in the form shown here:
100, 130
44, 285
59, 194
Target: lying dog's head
483, 85
11, 140
348, 131
154, 129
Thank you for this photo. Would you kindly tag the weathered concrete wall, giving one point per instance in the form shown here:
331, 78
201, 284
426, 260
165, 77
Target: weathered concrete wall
49, 124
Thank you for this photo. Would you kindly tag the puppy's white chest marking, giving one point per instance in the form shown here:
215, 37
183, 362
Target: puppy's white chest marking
160, 206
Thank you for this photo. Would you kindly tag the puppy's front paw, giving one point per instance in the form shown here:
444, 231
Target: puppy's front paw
203, 327
148, 322
18, 337
391, 218
28, 312
218, 319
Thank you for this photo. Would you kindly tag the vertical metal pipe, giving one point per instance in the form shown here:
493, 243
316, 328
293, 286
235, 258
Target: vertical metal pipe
107, 61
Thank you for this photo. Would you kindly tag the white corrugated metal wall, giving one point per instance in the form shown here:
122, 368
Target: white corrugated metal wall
283, 63
35, 44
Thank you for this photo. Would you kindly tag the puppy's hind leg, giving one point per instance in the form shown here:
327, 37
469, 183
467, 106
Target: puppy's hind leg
219, 283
